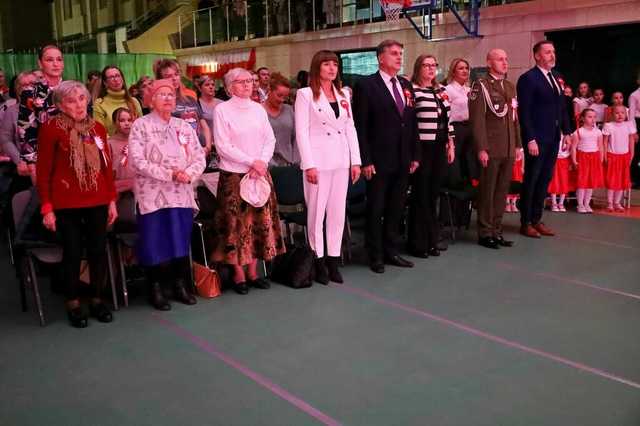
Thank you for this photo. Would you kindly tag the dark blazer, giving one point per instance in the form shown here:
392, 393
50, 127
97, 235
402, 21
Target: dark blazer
541, 112
387, 140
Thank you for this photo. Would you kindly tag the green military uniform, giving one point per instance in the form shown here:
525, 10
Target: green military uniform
494, 124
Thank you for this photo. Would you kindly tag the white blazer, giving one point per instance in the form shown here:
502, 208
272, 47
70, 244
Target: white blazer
324, 141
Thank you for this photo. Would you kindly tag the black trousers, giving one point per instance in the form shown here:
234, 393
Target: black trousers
80, 228
635, 169
465, 154
386, 195
426, 182
537, 175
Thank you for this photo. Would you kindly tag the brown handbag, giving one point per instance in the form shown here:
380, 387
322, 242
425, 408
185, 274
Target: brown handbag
207, 281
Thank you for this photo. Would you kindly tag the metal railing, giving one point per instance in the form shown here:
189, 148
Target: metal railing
235, 20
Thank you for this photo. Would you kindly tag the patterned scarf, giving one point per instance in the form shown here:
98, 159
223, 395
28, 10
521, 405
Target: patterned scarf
84, 154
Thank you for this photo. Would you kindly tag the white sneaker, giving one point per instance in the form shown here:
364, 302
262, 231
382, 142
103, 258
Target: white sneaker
514, 207
588, 209
555, 208
620, 208
561, 208
582, 210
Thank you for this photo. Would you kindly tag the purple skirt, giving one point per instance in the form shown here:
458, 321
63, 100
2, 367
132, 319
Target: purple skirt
164, 235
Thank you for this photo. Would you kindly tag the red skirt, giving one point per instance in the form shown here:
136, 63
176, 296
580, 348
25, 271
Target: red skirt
618, 171
561, 182
590, 170
517, 175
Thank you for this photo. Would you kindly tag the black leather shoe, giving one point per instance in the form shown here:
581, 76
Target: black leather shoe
504, 243
332, 267
442, 246
434, 251
157, 299
78, 318
181, 294
489, 242
241, 288
377, 267
260, 283
419, 254
321, 272
398, 261
100, 312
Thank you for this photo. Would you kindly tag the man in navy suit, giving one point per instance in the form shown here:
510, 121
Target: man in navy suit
387, 130
543, 119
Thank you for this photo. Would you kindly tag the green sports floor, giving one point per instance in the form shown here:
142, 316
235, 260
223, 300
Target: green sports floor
544, 333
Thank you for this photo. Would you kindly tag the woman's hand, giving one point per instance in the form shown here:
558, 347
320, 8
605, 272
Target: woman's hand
260, 167
451, 153
23, 168
312, 175
49, 221
368, 171
181, 177
112, 213
355, 173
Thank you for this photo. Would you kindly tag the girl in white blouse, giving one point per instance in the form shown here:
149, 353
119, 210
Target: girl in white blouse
330, 155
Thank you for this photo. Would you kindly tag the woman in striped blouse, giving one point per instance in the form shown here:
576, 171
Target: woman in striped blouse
437, 150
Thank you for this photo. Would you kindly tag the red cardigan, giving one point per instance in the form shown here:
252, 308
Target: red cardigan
57, 183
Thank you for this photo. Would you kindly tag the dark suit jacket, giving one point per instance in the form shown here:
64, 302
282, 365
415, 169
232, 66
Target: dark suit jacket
387, 140
542, 113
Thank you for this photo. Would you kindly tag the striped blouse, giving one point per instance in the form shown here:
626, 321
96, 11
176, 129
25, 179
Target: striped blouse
428, 111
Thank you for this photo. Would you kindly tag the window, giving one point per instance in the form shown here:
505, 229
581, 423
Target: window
67, 9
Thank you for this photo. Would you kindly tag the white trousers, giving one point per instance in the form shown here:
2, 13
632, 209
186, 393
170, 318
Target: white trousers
327, 197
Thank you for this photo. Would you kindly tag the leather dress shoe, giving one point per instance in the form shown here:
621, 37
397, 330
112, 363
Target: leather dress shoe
100, 312
260, 283
529, 231
241, 288
422, 254
544, 229
77, 317
489, 242
398, 261
157, 299
377, 267
434, 251
503, 243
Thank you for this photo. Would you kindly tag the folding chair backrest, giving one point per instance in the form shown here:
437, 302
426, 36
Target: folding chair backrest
19, 204
287, 182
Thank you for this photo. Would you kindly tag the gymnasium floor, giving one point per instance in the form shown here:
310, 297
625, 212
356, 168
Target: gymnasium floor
545, 333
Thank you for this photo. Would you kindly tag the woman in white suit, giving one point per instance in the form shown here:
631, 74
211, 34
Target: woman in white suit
329, 154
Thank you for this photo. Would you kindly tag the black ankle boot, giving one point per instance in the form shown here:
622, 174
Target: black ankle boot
332, 267
181, 294
77, 317
157, 299
321, 273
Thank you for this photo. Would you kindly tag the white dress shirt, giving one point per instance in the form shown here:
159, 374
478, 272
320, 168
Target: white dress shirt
459, 100
387, 81
634, 104
242, 134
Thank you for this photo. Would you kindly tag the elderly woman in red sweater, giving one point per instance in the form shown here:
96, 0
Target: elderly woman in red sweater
76, 188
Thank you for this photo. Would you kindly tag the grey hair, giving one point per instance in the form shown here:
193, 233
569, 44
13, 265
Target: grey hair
66, 88
232, 75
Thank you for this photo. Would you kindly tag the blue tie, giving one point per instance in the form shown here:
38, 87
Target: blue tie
397, 96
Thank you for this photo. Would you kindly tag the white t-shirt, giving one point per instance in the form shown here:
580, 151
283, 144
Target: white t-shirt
618, 136
600, 110
459, 100
588, 139
582, 103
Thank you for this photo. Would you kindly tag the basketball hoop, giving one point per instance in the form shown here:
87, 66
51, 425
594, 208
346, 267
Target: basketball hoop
393, 8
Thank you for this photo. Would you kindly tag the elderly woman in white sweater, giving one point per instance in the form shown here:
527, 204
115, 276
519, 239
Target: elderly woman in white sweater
244, 142
166, 155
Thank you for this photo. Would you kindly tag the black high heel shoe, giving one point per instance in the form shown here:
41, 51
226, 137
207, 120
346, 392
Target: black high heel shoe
100, 312
77, 317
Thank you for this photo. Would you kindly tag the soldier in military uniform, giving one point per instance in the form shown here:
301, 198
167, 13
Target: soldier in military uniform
496, 133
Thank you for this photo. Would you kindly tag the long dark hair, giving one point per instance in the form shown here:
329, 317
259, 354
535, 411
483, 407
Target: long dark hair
131, 105
314, 72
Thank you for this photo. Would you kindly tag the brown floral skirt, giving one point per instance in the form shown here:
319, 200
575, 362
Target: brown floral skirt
242, 232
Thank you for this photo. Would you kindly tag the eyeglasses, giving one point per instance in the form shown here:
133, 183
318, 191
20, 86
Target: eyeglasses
247, 81
430, 65
113, 77
166, 96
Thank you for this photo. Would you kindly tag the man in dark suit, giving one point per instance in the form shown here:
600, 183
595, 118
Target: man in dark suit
385, 120
543, 118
